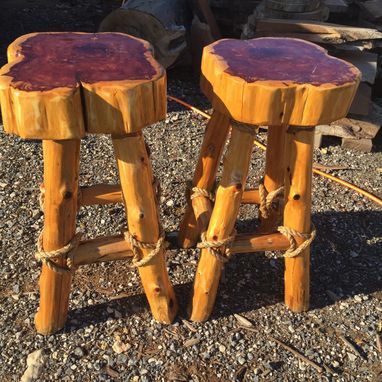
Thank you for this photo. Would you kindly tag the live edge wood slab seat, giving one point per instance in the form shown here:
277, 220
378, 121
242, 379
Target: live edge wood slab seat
58, 87
290, 86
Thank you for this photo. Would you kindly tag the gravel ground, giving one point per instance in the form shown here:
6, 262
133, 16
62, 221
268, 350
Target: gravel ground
110, 335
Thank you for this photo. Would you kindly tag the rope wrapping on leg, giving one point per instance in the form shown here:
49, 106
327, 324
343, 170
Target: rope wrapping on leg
197, 191
214, 247
245, 127
138, 261
66, 252
291, 234
266, 199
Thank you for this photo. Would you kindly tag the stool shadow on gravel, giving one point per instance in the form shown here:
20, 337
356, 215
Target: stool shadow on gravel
122, 307
345, 261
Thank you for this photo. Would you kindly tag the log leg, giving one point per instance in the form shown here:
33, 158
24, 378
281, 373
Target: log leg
297, 213
209, 158
61, 168
143, 220
223, 218
274, 175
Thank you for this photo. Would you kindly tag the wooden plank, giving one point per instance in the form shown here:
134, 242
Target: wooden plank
360, 129
363, 144
372, 121
313, 30
357, 127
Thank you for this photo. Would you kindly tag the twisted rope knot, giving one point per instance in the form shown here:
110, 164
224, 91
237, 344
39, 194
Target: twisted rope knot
214, 247
291, 234
197, 191
66, 252
136, 244
245, 127
267, 199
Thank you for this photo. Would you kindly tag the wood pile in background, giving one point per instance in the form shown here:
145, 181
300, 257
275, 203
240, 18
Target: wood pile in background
360, 43
231, 15
360, 46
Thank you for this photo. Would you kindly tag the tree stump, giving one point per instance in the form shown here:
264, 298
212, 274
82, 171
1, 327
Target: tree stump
164, 23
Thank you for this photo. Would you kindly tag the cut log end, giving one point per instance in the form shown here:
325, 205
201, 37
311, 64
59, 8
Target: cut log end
300, 92
86, 85
37, 65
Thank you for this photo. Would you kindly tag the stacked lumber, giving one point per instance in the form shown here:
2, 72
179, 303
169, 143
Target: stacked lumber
351, 44
356, 132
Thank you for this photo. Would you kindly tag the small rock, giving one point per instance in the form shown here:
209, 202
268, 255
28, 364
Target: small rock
191, 342
79, 352
352, 357
120, 347
122, 358
241, 360
132, 362
222, 349
35, 361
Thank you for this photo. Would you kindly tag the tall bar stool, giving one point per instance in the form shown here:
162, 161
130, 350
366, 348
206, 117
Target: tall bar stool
290, 86
58, 87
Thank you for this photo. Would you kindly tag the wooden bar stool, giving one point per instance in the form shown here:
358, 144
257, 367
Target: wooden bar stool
289, 85
57, 87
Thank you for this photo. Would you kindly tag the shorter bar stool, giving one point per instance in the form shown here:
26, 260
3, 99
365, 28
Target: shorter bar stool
58, 87
290, 86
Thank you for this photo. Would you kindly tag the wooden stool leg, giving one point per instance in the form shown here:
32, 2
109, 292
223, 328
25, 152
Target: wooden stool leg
274, 173
143, 220
209, 158
297, 213
61, 168
224, 214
